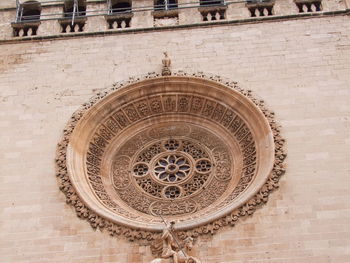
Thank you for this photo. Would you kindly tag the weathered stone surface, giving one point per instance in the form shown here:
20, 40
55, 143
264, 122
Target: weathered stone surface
299, 67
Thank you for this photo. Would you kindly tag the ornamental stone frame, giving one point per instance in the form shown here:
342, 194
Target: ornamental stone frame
192, 148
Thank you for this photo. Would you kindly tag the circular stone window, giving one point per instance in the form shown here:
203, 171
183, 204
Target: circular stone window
188, 149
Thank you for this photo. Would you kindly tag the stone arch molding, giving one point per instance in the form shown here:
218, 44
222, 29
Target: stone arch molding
192, 148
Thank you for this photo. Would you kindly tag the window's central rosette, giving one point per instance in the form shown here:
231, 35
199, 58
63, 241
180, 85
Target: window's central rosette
172, 168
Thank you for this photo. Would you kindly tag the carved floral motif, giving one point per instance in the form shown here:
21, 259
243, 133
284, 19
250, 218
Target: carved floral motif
175, 169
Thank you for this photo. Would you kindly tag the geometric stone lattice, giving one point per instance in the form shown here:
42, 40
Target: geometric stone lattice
196, 150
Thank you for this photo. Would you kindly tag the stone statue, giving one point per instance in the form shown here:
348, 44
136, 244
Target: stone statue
166, 65
168, 243
170, 252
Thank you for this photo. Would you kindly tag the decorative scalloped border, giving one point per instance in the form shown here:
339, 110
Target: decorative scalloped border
96, 221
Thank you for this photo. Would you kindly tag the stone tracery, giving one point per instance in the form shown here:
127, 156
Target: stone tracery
172, 168
195, 164
175, 169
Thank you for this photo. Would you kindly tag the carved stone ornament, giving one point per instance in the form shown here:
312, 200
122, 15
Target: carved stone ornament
191, 148
166, 61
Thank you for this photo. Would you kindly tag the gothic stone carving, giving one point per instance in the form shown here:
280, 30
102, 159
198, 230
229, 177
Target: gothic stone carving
183, 170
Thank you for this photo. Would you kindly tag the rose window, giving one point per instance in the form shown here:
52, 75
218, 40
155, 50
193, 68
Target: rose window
186, 148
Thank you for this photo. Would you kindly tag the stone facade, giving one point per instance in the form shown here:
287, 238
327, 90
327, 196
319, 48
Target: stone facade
299, 66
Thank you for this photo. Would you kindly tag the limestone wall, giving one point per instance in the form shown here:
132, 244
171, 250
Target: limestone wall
299, 67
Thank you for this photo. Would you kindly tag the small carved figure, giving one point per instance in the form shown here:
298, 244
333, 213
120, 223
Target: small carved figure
166, 65
168, 243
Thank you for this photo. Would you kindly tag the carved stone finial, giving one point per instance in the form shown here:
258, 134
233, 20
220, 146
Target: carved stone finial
166, 71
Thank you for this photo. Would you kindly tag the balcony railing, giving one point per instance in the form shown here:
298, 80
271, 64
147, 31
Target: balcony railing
161, 13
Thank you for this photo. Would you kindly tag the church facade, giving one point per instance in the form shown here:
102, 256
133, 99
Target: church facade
175, 131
